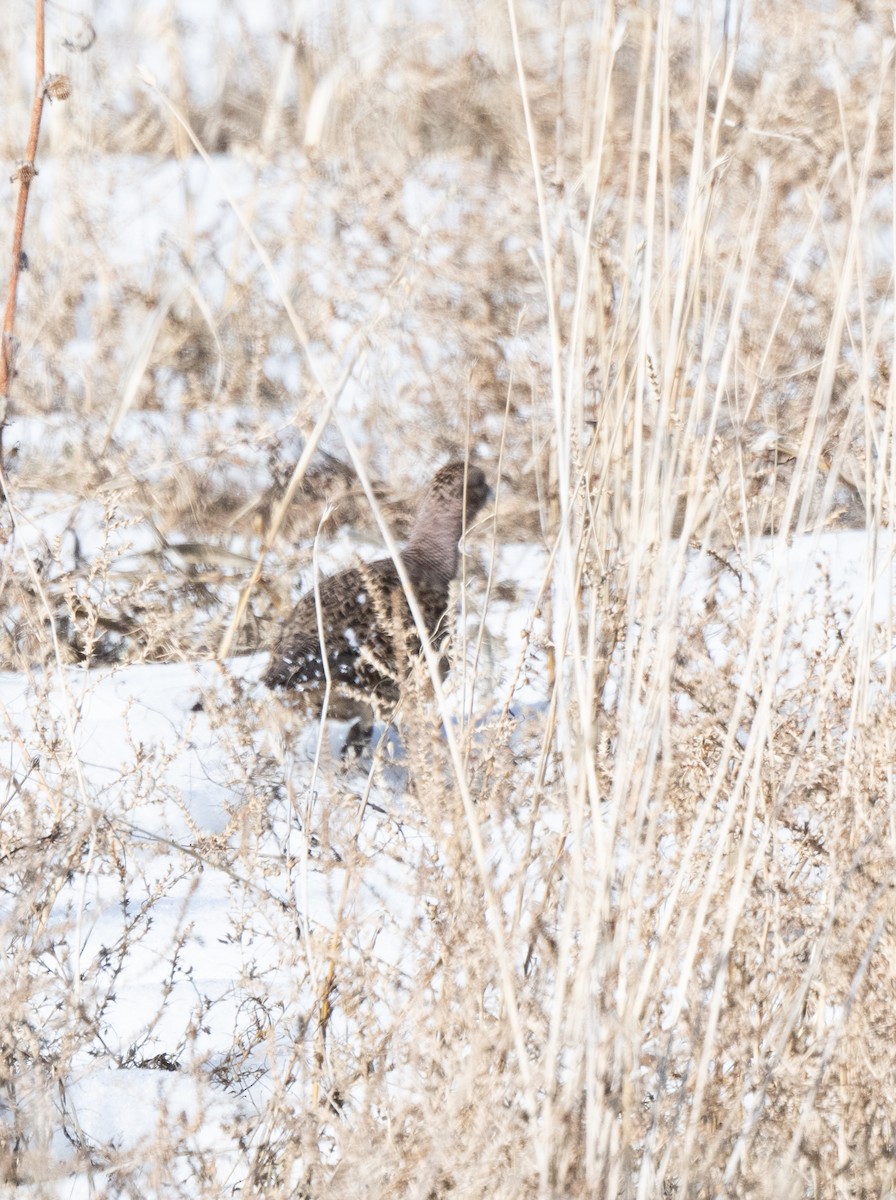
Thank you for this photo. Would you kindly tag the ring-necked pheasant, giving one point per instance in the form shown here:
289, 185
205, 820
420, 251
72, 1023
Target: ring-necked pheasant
364, 629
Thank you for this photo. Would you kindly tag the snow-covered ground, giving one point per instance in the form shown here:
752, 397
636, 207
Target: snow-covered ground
212, 863
229, 954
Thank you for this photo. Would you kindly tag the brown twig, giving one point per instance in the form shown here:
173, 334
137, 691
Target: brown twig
56, 87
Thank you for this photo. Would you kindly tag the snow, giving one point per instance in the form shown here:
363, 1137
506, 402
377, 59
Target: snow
212, 854
176, 757
216, 853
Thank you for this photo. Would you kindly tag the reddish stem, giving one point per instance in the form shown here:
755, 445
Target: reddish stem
25, 175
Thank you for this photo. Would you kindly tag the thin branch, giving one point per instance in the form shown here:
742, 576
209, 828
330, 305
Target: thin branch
57, 88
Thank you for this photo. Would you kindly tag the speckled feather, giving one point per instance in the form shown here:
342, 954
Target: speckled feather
368, 630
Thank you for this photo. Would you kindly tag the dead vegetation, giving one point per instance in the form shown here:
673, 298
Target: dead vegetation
646, 945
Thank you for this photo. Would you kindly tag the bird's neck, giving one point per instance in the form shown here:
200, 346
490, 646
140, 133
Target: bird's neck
433, 540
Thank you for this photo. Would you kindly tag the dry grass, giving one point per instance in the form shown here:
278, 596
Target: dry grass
647, 947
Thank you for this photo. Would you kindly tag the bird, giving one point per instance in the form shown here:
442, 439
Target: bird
359, 622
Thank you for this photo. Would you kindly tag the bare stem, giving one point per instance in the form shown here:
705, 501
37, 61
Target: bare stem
25, 172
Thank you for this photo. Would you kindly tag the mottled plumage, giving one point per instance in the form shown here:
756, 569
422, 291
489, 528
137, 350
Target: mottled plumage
368, 631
